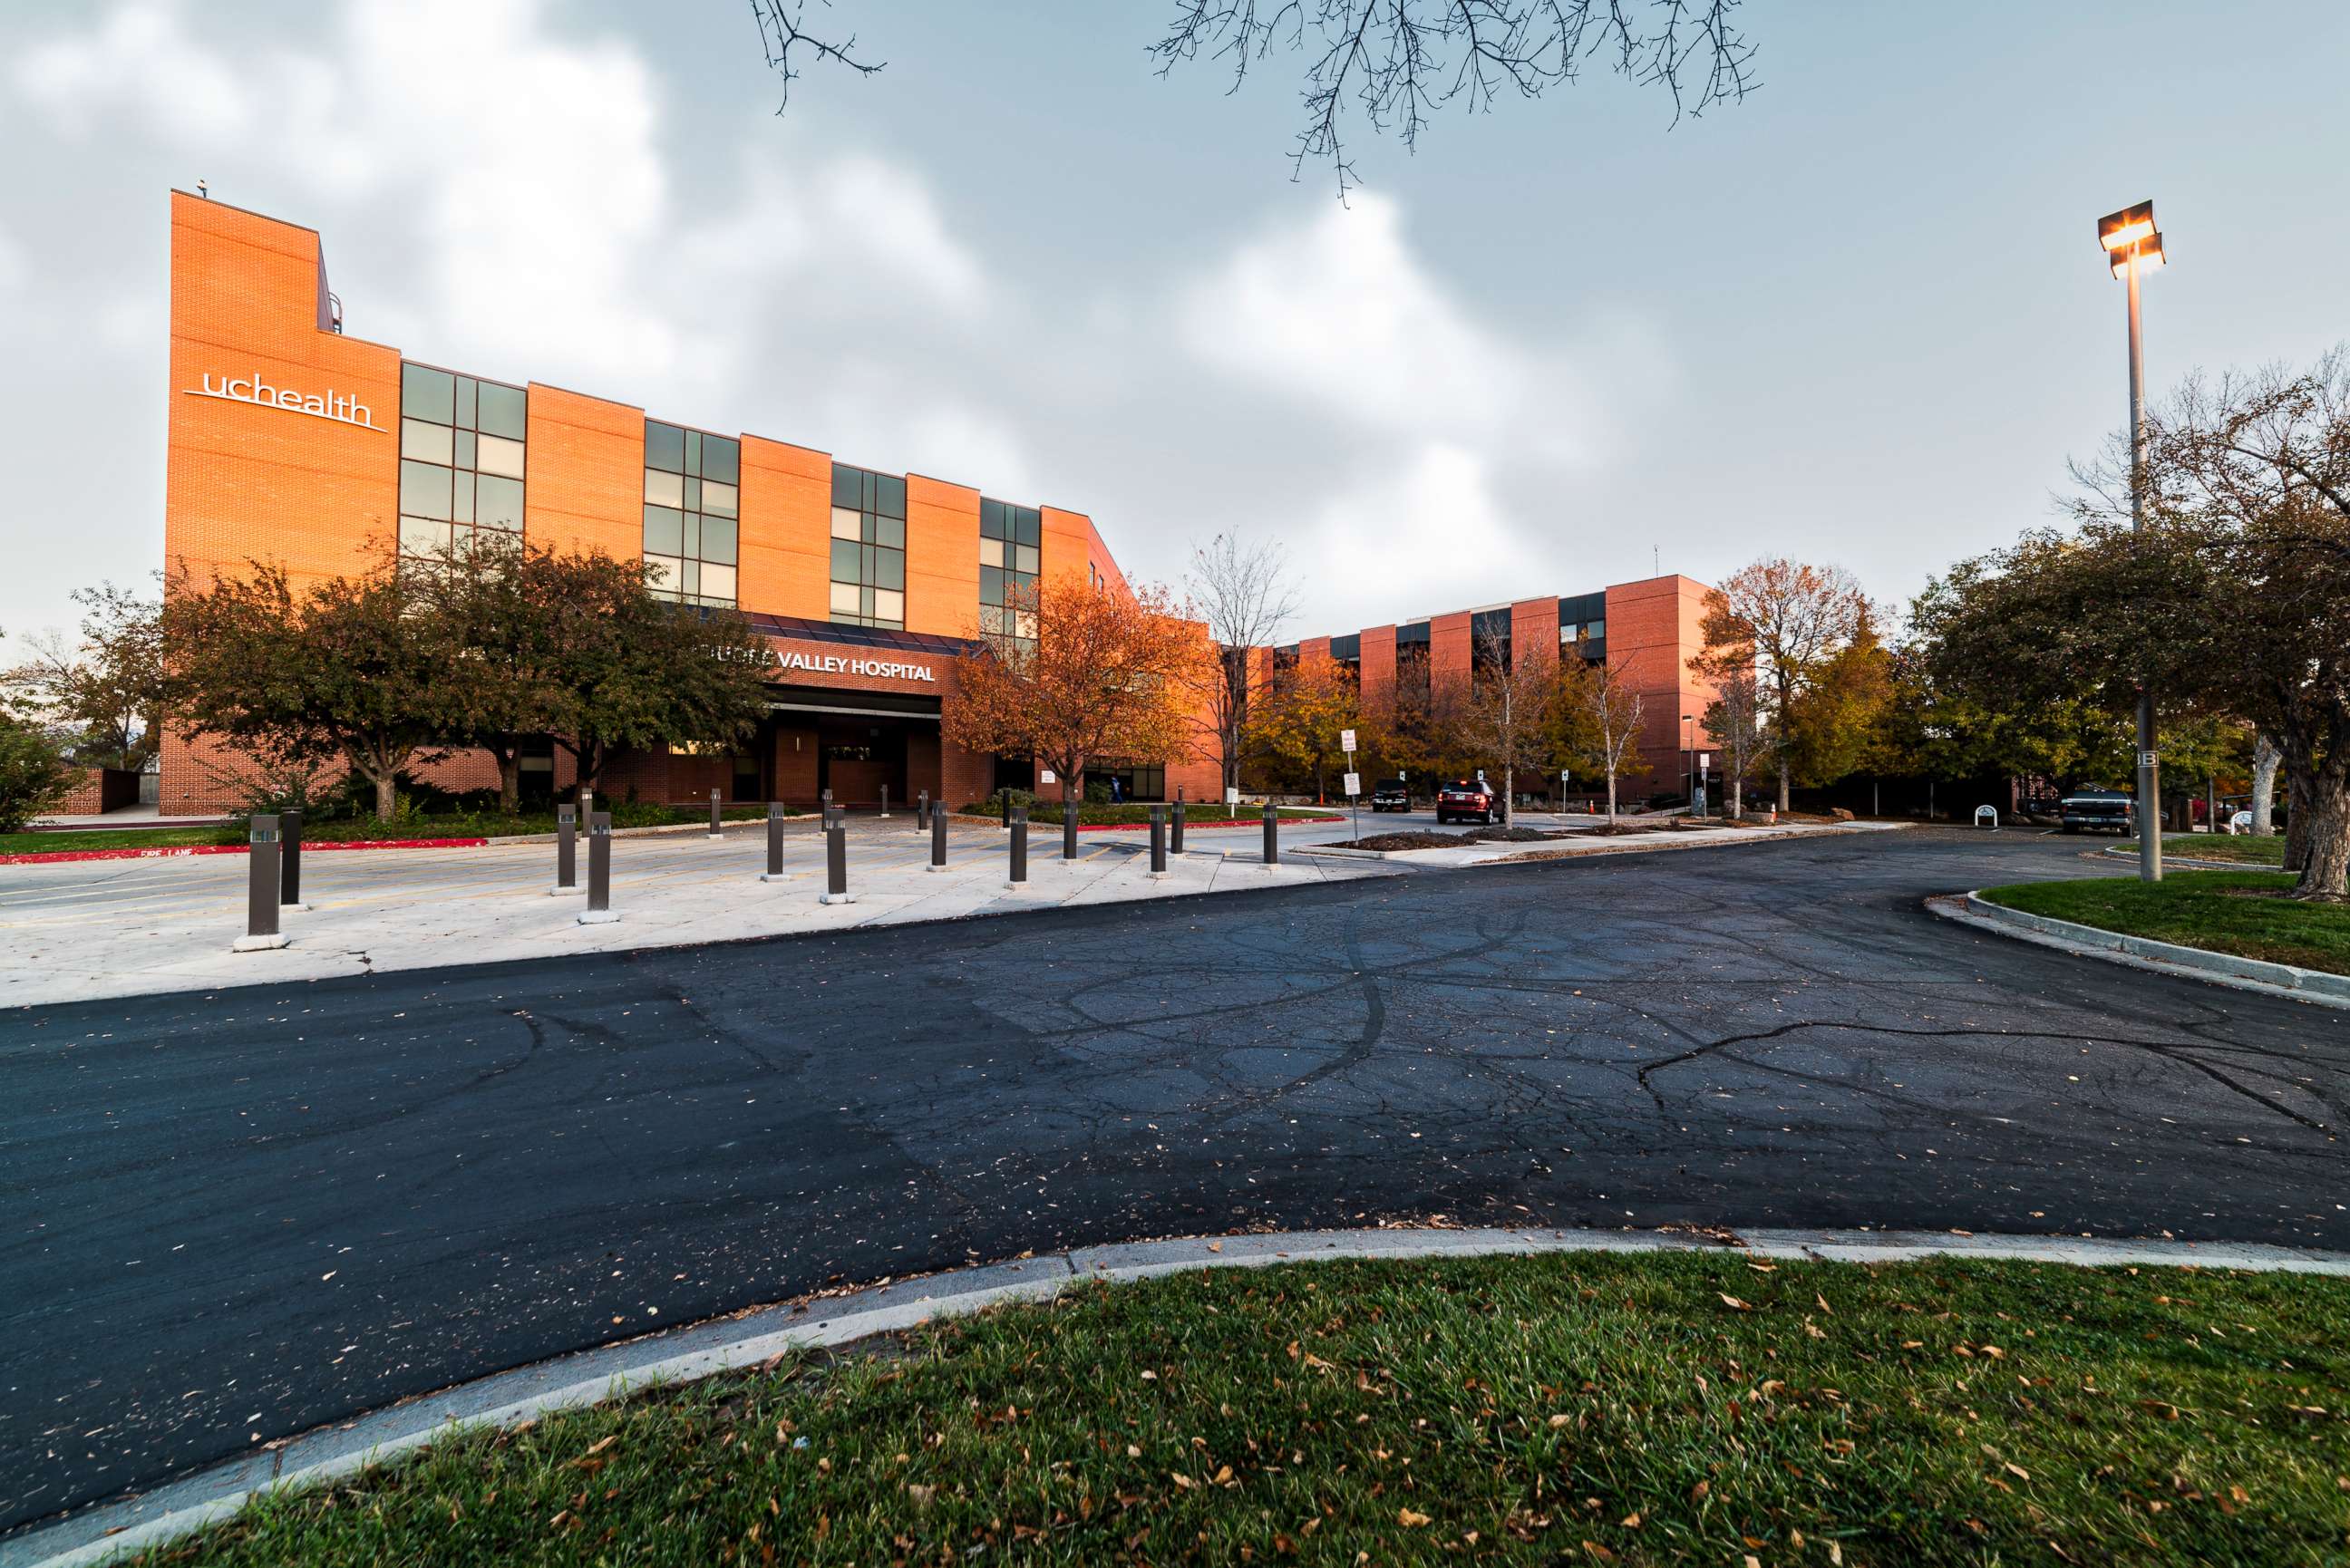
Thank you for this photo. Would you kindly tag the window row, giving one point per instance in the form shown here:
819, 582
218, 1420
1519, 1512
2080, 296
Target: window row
455, 496
461, 460
691, 503
869, 549
463, 402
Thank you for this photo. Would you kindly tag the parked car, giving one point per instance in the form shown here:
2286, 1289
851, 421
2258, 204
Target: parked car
1392, 795
1467, 798
2097, 811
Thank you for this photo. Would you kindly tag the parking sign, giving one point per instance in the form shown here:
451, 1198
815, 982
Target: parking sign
1346, 742
1353, 784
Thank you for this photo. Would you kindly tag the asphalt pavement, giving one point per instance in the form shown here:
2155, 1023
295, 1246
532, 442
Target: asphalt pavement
235, 1215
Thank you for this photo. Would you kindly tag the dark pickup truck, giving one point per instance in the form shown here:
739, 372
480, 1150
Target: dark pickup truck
2097, 811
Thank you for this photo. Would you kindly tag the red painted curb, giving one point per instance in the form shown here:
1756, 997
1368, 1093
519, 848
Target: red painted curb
1145, 827
161, 852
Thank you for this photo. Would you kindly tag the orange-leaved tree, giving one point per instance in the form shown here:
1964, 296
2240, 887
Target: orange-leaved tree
1107, 675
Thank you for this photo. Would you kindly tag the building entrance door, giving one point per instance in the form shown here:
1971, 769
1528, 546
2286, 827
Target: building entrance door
857, 758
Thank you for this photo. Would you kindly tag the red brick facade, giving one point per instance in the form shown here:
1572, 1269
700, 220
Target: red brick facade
285, 444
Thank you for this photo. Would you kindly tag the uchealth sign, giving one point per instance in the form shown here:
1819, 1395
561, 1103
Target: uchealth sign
251, 388
830, 663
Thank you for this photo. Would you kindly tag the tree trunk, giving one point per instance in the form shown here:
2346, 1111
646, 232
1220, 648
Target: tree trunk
2297, 822
1611, 797
2265, 758
1784, 804
386, 797
1509, 795
1737, 810
1068, 816
2324, 828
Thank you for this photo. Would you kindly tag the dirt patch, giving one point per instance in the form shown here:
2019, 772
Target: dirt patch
1411, 840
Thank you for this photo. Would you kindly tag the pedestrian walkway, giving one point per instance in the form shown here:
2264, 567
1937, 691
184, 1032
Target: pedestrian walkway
81, 930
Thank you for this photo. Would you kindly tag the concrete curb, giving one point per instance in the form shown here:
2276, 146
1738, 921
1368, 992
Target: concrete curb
2284, 980
209, 1497
2129, 854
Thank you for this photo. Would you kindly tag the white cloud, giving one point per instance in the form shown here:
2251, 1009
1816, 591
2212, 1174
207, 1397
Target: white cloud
1340, 314
1434, 508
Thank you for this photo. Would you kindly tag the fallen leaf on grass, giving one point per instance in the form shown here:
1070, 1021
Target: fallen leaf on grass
1733, 1302
1409, 1519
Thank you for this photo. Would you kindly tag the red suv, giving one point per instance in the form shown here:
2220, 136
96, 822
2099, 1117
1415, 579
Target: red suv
1467, 798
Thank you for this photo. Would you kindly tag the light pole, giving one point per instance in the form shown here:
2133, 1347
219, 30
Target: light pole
1689, 745
2132, 245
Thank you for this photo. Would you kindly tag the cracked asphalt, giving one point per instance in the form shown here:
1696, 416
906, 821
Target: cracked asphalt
235, 1215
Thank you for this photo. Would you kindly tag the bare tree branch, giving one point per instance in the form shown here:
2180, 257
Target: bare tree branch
781, 33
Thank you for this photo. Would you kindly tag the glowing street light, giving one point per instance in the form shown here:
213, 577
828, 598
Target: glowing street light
2133, 245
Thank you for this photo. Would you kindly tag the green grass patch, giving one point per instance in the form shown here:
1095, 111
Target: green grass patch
1589, 1409
2239, 912
2250, 851
114, 838
1127, 813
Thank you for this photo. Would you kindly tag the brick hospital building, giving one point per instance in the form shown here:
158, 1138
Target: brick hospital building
294, 444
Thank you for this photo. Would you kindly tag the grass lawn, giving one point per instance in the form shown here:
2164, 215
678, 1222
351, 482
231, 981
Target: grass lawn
2225, 912
114, 838
2269, 851
1589, 1410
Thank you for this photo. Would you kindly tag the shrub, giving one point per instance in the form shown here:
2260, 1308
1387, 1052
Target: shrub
34, 777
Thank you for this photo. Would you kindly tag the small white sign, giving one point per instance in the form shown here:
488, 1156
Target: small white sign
1044, 776
1704, 760
1346, 743
1231, 796
1353, 784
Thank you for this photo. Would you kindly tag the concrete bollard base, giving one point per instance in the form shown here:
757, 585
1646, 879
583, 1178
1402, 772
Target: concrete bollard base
599, 917
713, 836
1159, 875
259, 944
836, 897
294, 909
937, 868
775, 876
574, 891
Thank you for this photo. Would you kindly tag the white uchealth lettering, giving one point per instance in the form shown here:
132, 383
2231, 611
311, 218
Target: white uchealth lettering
252, 389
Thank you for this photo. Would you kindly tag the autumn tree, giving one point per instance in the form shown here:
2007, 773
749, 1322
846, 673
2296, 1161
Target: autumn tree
1506, 721
1792, 624
1616, 710
34, 777
1300, 717
1733, 720
358, 669
1108, 674
1245, 594
105, 686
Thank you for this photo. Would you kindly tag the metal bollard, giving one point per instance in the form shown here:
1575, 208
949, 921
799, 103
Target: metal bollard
1176, 840
836, 867
713, 814
1019, 826
290, 859
261, 890
922, 810
566, 852
1271, 836
586, 807
885, 801
774, 871
1159, 841
938, 839
598, 911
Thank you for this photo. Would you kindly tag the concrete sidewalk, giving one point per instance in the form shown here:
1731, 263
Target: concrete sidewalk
79, 931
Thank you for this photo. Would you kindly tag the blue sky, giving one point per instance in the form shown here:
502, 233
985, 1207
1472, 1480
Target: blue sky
1858, 317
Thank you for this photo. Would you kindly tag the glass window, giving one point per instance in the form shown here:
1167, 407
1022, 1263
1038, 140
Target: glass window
662, 574
426, 393
1008, 558
664, 447
423, 489
495, 454
664, 531
1026, 559
424, 442
462, 446
503, 410
717, 538
991, 554
869, 549
497, 501
690, 504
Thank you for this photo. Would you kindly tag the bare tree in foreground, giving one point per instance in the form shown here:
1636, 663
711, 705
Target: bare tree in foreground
1786, 622
1246, 594
1735, 720
1507, 717
1397, 62
1615, 714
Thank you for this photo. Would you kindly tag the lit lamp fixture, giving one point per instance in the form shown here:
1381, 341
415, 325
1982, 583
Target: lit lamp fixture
2133, 246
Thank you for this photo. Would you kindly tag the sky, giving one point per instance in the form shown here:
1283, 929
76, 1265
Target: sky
1859, 317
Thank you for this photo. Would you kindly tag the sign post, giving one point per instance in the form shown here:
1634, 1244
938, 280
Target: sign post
1704, 763
1354, 780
